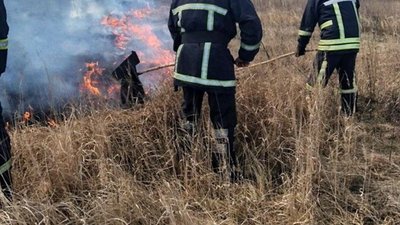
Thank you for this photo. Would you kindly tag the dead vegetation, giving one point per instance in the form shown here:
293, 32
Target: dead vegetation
303, 163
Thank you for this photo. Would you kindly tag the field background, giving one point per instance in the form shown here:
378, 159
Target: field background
303, 163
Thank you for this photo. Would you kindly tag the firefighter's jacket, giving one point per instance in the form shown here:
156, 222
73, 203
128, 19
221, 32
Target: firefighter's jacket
338, 21
3, 37
201, 30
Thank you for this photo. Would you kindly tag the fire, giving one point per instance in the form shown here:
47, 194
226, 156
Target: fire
132, 27
89, 79
95, 83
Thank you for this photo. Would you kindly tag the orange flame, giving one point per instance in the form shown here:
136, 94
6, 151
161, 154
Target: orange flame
89, 82
132, 26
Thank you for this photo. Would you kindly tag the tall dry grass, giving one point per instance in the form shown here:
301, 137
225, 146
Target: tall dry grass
302, 162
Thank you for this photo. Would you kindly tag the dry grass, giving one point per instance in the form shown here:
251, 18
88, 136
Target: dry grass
303, 163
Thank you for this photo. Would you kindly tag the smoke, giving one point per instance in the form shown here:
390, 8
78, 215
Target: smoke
50, 42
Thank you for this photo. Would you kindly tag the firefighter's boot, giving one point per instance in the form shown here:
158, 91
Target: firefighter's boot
349, 103
219, 160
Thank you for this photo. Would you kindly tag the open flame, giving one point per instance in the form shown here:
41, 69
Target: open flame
132, 27
89, 79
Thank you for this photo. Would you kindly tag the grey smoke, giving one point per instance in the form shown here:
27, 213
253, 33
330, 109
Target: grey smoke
50, 41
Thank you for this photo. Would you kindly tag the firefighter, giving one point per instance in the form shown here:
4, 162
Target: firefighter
5, 147
201, 31
339, 23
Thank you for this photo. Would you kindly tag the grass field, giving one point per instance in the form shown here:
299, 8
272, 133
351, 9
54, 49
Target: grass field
304, 163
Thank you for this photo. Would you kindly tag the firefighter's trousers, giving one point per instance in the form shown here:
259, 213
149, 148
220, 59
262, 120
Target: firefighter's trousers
223, 117
5, 159
325, 64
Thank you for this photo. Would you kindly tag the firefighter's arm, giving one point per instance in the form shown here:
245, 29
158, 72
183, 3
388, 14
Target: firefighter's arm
3, 37
174, 30
250, 30
308, 23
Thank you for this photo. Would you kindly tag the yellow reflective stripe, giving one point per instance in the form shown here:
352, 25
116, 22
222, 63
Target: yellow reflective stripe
206, 60
304, 33
250, 47
339, 19
330, 2
326, 24
309, 87
3, 44
348, 91
339, 47
340, 41
212, 9
358, 19
200, 6
6, 166
179, 19
207, 82
210, 21
178, 53
221, 133
322, 72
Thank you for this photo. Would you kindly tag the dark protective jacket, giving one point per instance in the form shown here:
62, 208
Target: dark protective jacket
3, 37
338, 21
201, 30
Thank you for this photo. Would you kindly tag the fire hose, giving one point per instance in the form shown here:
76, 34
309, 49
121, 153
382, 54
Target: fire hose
239, 69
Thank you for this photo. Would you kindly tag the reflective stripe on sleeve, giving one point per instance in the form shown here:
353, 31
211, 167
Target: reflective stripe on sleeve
304, 33
250, 47
3, 44
326, 24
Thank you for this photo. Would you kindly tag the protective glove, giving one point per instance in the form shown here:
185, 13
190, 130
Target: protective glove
241, 63
300, 51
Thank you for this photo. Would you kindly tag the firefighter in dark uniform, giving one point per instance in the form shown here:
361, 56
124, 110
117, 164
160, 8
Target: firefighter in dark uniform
339, 23
5, 147
201, 31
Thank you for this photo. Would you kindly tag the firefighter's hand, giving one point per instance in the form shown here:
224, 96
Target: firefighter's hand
300, 51
241, 63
